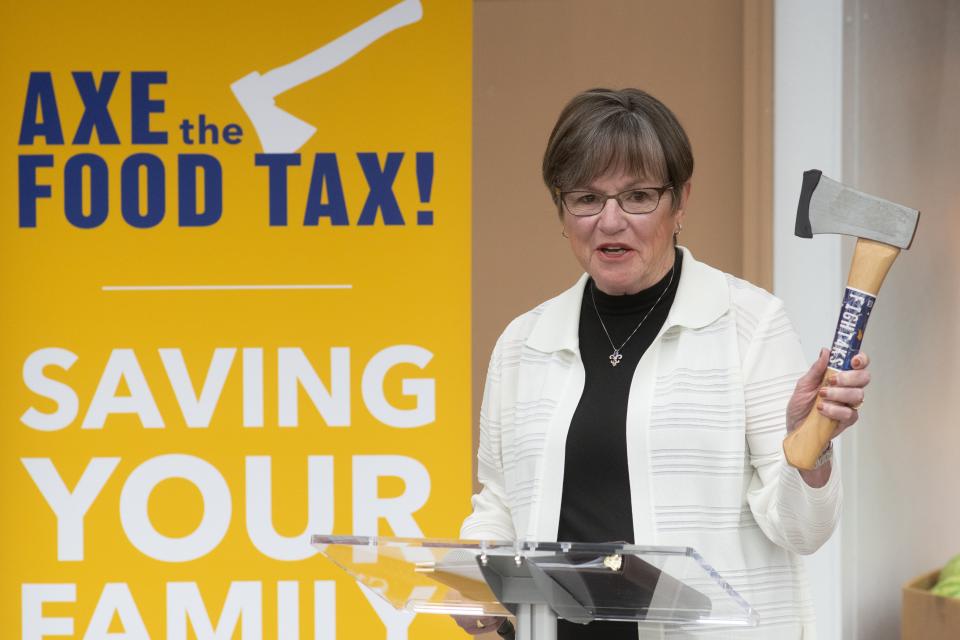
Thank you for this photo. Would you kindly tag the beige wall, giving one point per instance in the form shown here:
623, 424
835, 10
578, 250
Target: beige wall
902, 513
708, 61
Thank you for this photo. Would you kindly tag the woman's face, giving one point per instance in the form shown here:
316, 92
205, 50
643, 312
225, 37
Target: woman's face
623, 252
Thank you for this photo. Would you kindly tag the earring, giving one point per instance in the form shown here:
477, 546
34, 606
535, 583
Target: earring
679, 229
563, 232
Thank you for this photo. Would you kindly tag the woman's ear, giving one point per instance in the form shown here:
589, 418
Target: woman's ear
681, 209
684, 196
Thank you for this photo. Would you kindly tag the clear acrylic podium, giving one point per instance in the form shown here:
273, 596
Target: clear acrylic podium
537, 582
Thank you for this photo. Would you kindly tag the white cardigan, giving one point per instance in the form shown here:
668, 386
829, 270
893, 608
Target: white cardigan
705, 427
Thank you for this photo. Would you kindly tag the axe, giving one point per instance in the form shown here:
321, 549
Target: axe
282, 132
882, 228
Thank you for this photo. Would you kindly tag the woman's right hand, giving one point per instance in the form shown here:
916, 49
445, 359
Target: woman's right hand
475, 625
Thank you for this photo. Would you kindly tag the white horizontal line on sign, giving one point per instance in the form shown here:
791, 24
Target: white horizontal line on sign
224, 287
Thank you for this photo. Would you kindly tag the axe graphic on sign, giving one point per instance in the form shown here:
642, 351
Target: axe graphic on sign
282, 132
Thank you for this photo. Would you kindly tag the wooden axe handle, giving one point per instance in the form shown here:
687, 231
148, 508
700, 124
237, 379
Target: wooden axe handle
871, 262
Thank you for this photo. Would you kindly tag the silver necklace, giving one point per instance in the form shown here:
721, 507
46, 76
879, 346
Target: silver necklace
616, 356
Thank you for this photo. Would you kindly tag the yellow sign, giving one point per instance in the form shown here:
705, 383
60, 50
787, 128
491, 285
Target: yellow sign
236, 285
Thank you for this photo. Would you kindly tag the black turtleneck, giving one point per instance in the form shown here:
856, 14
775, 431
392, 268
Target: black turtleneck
596, 506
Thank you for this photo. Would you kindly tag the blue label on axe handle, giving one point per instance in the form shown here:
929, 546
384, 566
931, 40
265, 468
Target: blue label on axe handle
854, 314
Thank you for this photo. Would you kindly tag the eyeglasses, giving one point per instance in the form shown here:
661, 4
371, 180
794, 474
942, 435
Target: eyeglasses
582, 203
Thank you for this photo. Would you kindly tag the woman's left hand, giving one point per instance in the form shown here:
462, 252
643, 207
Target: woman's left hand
840, 399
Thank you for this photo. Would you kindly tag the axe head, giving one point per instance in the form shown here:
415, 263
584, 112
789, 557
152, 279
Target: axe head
826, 206
279, 131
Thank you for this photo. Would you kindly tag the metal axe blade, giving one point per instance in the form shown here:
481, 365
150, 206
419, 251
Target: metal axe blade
827, 206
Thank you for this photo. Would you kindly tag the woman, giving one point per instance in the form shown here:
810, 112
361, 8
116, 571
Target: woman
649, 402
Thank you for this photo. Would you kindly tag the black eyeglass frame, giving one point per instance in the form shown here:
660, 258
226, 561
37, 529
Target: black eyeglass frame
660, 191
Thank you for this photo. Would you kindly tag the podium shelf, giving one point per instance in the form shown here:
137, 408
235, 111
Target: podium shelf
581, 582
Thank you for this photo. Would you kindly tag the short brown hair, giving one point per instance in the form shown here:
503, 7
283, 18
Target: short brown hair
603, 129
